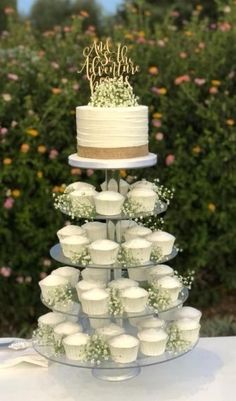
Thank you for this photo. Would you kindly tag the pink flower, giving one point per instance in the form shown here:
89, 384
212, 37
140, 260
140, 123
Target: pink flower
159, 136
156, 123
20, 279
141, 40
201, 45
213, 90
183, 55
90, 172
181, 79
199, 81
224, 26
175, 13
161, 43
67, 29
55, 65
12, 77
169, 159
3, 131
5, 271
75, 87
53, 154
42, 275
8, 203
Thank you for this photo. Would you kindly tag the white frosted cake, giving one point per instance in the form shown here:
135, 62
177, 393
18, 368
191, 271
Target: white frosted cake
112, 132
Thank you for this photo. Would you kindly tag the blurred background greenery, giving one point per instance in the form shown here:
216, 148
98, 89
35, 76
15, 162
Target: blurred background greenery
187, 55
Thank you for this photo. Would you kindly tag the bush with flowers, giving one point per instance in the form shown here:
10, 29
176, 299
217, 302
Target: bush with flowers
187, 79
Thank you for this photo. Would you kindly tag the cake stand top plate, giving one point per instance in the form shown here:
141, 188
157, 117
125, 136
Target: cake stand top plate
112, 164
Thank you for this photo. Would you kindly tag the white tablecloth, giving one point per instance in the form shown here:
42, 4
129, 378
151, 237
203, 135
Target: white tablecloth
208, 373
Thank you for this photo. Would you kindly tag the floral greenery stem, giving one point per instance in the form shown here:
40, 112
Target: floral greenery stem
131, 208
158, 299
175, 342
96, 350
126, 259
115, 304
82, 258
156, 255
165, 194
63, 295
43, 334
78, 211
186, 279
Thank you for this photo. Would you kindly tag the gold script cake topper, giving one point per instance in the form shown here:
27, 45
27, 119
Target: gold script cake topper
102, 61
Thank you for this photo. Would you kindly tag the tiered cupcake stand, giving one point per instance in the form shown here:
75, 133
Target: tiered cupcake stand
109, 370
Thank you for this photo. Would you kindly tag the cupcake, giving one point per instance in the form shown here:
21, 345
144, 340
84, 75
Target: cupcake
159, 271
83, 197
189, 313
189, 329
109, 331
75, 346
65, 329
50, 284
138, 249
76, 186
145, 199
136, 232
113, 186
124, 348
163, 241
95, 230
171, 285
74, 245
150, 323
134, 299
70, 230
142, 184
95, 274
51, 319
122, 283
69, 273
86, 285
122, 226
95, 302
109, 203
138, 273
103, 252
153, 341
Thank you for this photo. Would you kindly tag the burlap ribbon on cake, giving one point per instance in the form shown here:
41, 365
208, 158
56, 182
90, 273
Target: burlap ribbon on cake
112, 153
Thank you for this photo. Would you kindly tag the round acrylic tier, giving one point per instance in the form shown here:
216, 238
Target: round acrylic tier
112, 164
57, 254
76, 309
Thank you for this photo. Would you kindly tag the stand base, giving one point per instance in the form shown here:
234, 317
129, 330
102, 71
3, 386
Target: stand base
116, 375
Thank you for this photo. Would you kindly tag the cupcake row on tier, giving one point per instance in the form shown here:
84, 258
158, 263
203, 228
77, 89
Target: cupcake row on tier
150, 338
141, 197
139, 245
61, 290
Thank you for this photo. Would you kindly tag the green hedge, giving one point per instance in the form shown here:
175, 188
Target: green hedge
188, 81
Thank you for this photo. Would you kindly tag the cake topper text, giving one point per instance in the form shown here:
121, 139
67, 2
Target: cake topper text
102, 61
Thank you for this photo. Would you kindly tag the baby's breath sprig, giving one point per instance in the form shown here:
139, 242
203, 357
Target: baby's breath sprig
116, 307
187, 279
82, 258
126, 259
58, 348
96, 350
156, 255
165, 194
61, 296
151, 222
113, 92
79, 211
131, 208
158, 299
175, 342
43, 335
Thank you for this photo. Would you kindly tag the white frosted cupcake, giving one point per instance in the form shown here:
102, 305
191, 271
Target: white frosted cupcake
134, 299
189, 329
95, 302
50, 284
124, 348
188, 312
139, 249
150, 323
171, 285
74, 245
86, 285
138, 273
51, 319
70, 230
142, 184
146, 198
95, 274
153, 341
110, 330
159, 271
122, 226
162, 240
75, 346
122, 283
69, 273
78, 185
95, 230
109, 203
83, 197
113, 186
65, 329
103, 252
137, 232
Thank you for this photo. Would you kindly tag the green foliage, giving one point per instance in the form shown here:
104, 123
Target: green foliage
188, 81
